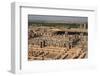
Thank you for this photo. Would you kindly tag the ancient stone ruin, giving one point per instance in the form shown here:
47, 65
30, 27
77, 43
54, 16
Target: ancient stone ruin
52, 43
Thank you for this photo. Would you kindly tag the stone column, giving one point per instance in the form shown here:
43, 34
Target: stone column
84, 26
66, 33
81, 36
81, 26
41, 45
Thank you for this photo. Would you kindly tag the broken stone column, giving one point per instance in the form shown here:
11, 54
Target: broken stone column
66, 33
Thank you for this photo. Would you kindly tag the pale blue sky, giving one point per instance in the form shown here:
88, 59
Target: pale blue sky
57, 19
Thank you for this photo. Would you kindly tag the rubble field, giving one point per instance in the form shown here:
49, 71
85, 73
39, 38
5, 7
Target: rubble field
53, 43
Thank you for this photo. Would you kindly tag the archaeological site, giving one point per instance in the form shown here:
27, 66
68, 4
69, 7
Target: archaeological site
55, 37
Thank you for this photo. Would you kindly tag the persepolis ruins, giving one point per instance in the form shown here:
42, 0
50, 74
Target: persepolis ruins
57, 42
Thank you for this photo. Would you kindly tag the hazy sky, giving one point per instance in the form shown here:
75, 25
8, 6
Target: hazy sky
57, 19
